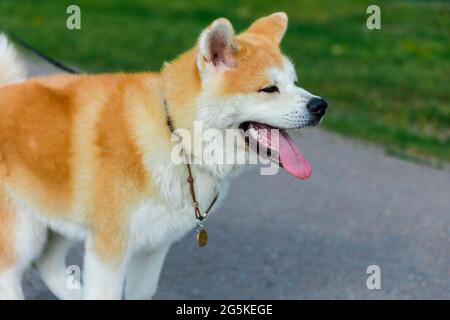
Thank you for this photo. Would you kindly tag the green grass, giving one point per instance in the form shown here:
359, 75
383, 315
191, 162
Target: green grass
388, 86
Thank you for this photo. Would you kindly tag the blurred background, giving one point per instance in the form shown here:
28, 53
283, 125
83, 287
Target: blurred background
381, 187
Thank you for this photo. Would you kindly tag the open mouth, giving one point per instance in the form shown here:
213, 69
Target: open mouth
278, 146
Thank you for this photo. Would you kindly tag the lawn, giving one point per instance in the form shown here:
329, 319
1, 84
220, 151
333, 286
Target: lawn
388, 86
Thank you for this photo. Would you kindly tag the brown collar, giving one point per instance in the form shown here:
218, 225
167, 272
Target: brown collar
202, 235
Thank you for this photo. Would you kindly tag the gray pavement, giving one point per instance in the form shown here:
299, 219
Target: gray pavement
282, 238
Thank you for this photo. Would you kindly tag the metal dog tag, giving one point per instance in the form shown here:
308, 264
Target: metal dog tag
202, 237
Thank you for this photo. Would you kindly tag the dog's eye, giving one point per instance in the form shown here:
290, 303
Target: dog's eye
296, 82
270, 89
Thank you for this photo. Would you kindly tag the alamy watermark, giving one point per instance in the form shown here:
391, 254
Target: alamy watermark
227, 147
374, 20
73, 21
74, 277
374, 280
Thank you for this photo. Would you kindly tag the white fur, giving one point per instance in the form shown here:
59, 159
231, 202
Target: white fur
30, 236
10, 288
52, 267
11, 67
143, 273
102, 280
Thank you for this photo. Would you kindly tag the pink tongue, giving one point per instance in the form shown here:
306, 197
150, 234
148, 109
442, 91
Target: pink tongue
291, 158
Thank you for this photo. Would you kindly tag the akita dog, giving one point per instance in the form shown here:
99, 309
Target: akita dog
89, 156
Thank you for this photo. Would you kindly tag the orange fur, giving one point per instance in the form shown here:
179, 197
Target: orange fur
272, 27
181, 88
41, 123
255, 55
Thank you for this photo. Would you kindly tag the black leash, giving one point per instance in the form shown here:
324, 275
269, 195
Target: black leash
42, 55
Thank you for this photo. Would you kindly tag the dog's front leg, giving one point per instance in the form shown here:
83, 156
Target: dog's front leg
103, 278
143, 273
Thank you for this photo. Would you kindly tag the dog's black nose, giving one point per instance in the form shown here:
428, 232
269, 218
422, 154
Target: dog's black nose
317, 106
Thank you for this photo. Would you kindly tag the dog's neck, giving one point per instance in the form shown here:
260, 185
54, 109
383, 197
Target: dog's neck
181, 88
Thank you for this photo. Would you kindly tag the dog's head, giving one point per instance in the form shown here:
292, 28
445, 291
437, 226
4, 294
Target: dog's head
247, 83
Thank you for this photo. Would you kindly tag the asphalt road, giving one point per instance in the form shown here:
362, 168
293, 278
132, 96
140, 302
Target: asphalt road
278, 237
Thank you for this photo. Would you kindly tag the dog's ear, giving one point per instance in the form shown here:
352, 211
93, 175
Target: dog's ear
217, 44
273, 26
